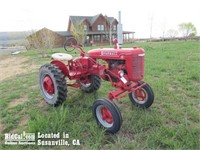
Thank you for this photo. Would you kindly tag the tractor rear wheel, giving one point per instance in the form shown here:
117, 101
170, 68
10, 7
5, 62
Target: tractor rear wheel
142, 97
52, 84
90, 83
107, 115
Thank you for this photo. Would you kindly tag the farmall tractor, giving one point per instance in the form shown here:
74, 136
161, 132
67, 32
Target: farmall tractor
122, 67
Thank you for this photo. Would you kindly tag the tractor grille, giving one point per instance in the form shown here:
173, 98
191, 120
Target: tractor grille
138, 68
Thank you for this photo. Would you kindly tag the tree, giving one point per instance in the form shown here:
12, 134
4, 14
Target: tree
41, 40
187, 29
112, 27
172, 33
79, 32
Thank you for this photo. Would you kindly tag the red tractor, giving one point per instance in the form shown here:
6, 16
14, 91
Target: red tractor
123, 67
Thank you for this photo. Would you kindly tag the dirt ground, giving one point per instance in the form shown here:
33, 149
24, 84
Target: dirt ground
11, 65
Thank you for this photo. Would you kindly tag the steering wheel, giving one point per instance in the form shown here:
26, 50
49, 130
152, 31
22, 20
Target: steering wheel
70, 44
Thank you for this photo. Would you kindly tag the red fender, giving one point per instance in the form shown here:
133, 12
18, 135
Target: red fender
61, 66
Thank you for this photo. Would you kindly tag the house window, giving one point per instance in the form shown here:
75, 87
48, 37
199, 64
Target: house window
114, 36
87, 39
97, 38
90, 28
105, 37
100, 27
85, 27
114, 27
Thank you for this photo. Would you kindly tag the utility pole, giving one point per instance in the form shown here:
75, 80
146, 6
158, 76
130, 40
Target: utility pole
151, 26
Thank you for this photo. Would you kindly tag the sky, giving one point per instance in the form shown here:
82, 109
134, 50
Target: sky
137, 15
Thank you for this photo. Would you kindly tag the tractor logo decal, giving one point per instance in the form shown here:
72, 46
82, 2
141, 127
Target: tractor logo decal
106, 53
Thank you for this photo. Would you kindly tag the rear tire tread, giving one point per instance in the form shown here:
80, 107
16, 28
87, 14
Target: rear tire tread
95, 84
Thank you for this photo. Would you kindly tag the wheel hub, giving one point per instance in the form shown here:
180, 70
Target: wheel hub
106, 115
86, 82
140, 95
48, 85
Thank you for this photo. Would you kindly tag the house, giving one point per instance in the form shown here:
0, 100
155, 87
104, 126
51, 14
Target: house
99, 29
45, 38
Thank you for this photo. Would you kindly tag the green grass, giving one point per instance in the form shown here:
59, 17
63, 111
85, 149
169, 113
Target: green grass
171, 68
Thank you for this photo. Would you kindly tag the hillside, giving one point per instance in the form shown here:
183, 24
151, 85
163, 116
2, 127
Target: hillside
7, 38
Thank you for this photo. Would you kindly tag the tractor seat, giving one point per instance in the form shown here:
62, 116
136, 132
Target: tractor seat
61, 56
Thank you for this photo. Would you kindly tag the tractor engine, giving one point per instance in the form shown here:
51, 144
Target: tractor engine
129, 61
115, 66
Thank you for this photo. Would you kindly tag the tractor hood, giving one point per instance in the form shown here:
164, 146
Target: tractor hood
111, 53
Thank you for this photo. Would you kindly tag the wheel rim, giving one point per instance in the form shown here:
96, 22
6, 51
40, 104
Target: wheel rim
69, 44
140, 96
48, 86
104, 116
86, 82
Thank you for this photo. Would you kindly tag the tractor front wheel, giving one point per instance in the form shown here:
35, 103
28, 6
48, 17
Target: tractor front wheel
52, 84
90, 83
107, 115
142, 97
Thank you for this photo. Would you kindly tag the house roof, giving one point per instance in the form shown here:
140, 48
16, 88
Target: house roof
46, 30
63, 33
91, 19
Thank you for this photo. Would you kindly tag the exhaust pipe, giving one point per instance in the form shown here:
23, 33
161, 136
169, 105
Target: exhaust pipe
119, 32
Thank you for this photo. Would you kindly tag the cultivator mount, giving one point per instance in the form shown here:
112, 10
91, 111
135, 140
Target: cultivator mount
122, 67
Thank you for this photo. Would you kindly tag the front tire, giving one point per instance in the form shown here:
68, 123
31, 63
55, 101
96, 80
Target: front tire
107, 115
52, 84
142, 97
